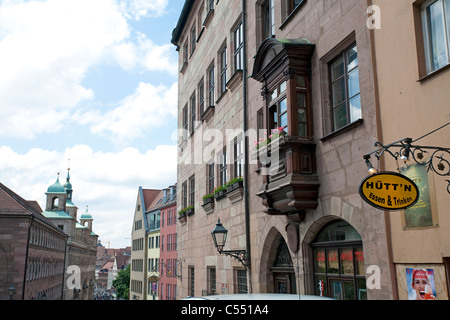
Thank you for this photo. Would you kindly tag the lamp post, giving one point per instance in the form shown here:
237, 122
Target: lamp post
219, 236
11, 292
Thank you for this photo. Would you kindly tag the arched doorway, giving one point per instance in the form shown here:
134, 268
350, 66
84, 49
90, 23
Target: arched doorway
283, 270
339, 262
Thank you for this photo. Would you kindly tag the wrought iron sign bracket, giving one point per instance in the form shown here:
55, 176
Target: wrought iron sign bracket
240, 255
405, 150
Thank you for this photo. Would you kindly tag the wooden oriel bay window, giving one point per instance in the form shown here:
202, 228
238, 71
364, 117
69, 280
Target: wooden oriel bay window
287, 157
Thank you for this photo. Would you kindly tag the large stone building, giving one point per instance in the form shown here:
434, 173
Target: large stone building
325, 78
81, 245
32, 251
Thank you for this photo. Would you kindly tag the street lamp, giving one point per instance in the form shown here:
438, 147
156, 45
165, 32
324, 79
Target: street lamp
11, 292
219, 236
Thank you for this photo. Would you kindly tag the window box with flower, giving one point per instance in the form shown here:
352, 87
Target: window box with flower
208, 203
235, 189
220, 192
264, 146
183, 213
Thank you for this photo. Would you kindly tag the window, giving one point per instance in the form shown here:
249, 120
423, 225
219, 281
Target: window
193, 38
210, 174
278, 116
210, 5
185, 52
345, 91
268, 16
339, 262
238, 48
211, 84
201, 97
184, 191
185, 122
292, 4
238, 158
191, 281
192, 191
193, 113
241, 277
223, 70
212, 289
223, 168
302, 105
436, 29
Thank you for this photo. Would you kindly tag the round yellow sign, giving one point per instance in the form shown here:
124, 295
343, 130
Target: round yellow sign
389, 191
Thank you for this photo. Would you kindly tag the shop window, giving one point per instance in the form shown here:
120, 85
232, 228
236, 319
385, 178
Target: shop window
339, 263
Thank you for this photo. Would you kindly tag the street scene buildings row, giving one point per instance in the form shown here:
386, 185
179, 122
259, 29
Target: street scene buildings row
278, 102
153, 274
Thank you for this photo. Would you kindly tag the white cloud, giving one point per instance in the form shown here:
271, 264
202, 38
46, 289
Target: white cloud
144, 54
108, 182
147, 108
136, 9
48, 47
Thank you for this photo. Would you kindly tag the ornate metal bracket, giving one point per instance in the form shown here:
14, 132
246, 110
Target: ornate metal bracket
240, 255
405, 150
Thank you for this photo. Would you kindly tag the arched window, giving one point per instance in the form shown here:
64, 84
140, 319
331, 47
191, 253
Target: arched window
283, 270
55, 203
339, 262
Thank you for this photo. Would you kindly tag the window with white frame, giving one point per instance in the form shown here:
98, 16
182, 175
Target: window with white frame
223, 70
211, 85
345, 90
436, 30
238, 47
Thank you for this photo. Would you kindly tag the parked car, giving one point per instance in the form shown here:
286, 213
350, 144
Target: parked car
259, 296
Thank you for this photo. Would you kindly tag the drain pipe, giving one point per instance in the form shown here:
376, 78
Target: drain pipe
246, 157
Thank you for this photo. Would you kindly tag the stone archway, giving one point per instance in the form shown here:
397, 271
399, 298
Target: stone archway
277, 265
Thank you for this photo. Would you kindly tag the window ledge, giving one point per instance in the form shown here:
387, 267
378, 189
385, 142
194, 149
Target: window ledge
342, 130
221, 96
434, 73
208, 113
200, 34
235, 80
183, 67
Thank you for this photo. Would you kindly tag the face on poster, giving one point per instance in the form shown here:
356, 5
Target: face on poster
421, 284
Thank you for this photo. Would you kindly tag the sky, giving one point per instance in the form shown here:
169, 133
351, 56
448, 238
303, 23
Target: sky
93, 81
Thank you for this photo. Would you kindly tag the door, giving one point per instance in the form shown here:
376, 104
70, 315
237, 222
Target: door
285, 283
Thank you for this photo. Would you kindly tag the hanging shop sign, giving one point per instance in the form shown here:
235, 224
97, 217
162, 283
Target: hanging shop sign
389, 191
153, 278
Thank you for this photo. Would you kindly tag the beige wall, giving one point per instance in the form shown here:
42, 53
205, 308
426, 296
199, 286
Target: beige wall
410, 107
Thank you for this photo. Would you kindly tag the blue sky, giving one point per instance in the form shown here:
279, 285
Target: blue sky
93, 81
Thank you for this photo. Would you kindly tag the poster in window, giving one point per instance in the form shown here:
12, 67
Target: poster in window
419, 215
421, 285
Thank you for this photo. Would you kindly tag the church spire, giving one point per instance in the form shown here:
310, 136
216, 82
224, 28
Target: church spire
68, 185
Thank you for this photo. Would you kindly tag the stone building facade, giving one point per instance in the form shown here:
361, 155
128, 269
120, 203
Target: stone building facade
306, 69
32, 251
210, 99
81, 245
